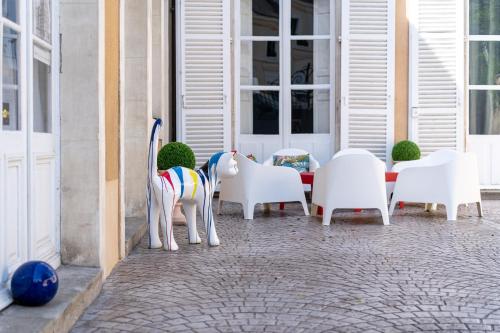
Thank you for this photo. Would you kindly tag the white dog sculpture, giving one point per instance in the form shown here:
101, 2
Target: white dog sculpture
192, 188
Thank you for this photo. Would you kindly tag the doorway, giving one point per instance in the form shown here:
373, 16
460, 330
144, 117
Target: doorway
285, 70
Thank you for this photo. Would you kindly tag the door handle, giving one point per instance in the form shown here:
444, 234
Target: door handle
414, 112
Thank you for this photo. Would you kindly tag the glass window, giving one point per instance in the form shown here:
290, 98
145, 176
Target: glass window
41, 96
484, 63
10, 105
310, 61
310, 111
484, 17
42, 19
259, 112
484, 112
260, 17
310, 17
9, 9
260, 63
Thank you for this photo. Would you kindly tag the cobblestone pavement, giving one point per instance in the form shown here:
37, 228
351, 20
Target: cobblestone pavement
284, 272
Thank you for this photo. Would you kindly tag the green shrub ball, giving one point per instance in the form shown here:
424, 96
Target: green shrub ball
175, 154
405, 151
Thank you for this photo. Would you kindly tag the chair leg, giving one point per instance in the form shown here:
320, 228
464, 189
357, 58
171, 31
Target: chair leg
427, 207
327, 215
452, 212
282, 205
219, 207
248, 209
385, 215
392, 206
304, 206
479, 208
314, 210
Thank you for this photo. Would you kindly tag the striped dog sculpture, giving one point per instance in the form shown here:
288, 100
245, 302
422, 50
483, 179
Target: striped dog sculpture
192, 188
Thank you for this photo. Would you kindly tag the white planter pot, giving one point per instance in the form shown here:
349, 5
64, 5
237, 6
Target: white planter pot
178, 218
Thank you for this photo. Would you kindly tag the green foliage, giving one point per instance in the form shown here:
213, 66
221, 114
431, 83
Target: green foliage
405, 151
175, 154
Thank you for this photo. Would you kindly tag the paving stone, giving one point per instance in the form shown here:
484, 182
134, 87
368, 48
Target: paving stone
283, 272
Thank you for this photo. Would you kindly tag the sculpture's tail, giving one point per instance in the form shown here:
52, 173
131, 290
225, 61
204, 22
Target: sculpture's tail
152, 167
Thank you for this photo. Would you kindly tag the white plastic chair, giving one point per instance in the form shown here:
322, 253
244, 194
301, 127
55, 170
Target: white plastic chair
350, 180
256, 183
350, 151
444, 177
313, 163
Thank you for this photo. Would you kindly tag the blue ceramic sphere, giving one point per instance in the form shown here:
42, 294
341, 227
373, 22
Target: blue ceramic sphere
34, 283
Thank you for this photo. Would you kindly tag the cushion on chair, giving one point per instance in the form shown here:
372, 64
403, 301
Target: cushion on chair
251, 157
298, 162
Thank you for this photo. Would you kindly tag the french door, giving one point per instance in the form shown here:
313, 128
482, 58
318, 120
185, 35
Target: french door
29, 176
484, 88
285, 62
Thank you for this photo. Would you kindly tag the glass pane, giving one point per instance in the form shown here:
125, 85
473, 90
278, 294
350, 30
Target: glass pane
42, 19
484, 63
260, 63
260, 17
310, 61
484, 112
259, 112
484, 17
310, 111
310, 17
9, 9
41, 97
10, 106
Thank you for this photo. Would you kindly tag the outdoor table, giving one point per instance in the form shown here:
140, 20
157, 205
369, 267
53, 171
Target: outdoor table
308, 179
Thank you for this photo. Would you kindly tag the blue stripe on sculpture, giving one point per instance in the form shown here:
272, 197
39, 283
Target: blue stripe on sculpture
178, 171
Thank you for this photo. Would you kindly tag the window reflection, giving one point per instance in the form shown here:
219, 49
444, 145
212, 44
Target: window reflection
484, 17
484, 112
259, 112
260, 17
10, 104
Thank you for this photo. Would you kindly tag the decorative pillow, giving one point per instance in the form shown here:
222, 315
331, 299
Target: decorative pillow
298, 162
252, 158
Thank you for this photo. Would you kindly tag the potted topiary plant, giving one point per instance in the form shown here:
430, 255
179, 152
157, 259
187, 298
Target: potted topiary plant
171, 155
405, 151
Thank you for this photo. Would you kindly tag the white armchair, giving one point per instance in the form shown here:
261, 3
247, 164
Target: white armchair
446, 177
352, 180
313, 163
256, 183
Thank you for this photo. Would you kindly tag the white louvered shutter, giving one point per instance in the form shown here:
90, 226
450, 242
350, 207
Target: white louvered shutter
204, 76
436, 74
367, 76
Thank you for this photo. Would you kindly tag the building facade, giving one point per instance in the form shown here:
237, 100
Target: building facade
260, 75
82, 81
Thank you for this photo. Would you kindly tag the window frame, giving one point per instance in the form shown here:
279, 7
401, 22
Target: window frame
285, 87
475, 87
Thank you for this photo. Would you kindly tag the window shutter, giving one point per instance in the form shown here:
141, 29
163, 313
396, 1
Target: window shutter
203, 78
436, 74
367, 76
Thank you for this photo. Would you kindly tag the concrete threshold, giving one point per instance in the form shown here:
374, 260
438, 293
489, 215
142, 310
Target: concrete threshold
135, 229
78, 287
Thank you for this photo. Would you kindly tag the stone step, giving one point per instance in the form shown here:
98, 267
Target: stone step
78, 287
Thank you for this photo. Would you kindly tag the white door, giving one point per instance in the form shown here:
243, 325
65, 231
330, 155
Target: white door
436, 74
484, 89
203, 62
367, 117
284, 84
29, 193
14, 148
